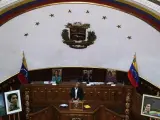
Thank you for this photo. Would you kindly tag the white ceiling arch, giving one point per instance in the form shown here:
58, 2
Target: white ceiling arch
117, 53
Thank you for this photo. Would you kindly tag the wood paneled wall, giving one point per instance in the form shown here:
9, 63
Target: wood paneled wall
112, 98
44, 95
136, 107
74, 73
69, 74
51, 113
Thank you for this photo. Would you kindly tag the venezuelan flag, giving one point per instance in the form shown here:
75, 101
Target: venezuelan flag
133, 73
23, 74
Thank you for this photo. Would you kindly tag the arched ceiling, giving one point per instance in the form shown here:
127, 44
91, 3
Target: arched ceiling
120, 52
146, 14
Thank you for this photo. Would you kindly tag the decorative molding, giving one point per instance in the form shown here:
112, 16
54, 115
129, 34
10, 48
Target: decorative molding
27, 106
153, 4
142, 7
7, 3
155, 1
128, 105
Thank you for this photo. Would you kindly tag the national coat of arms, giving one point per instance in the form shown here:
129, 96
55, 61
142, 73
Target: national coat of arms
76, 35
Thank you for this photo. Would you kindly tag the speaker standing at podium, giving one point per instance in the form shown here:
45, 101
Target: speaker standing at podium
77, 92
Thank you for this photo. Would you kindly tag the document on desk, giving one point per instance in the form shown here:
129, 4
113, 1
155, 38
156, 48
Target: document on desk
54, 84
75, 101
63, 105
46, 82
113, 84
87, 106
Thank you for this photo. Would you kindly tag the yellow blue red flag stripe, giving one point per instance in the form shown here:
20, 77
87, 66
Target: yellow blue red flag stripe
133, 73
23, 74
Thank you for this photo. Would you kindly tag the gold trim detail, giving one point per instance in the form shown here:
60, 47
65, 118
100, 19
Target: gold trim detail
15, 5
140, 7
127, 104
27, 104
90, 3
122, 1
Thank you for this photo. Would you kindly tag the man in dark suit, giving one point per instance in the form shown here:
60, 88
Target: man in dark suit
77, 92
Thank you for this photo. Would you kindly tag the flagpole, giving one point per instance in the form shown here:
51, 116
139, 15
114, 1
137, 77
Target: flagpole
10, 115
18, 117
23, 53
14, 117
135, 55
18, 112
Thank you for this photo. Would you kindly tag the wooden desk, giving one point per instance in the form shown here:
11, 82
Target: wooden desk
96, 112
40, 95
93, 105
86, 114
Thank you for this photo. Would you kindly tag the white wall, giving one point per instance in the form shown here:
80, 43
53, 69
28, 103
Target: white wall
43, 46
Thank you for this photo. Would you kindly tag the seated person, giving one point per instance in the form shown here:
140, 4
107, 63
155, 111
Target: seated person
87, 77
77, 92
111, 78
56, 77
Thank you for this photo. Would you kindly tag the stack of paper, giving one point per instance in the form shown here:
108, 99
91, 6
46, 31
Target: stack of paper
110, 83
75, 101
88, 84
113, 84
53, 83
63, 105
87, 106
46, 82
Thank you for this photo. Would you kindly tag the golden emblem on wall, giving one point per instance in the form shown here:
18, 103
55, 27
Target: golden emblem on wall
77, 36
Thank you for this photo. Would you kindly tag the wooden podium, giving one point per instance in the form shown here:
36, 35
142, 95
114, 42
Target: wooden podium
76, 105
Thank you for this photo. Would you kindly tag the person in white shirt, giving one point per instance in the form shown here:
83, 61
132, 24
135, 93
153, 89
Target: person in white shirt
77, 92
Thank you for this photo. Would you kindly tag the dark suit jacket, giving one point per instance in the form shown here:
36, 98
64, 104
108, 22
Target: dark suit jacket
80, 93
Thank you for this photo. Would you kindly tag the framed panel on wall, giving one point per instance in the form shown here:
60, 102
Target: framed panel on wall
150, 106
111, 76
13, 102
87, 76
57, 75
